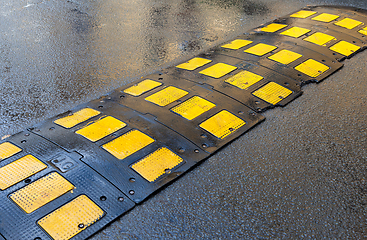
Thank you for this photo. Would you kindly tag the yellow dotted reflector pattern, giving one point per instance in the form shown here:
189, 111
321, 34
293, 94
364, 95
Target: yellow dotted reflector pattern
312, 68
194, 63
303, 14
260, 49
273, 27
363, 31
244, 79
272, 93
128, 144
319, 38
222, 124
101, 128
348, 23
76, 118
344, 48
157, 164
41, 192
142, 87
237, 44
193, 107
7, 150
166, 96
325, 17
295, 32
285, 56
19, 170
72, 218
218, 70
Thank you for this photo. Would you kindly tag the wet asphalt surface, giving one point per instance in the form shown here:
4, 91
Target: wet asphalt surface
299, 174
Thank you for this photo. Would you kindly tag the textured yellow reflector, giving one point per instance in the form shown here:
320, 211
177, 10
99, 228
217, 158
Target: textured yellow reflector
273, 27
303, 14
7, 150
244, 79
166, 96
363, 31
72, 218
319, 38
156, 164
295, 32
344, 48
77, 117
222, 124
325, 17
237, 44
272, 93
19, 170
128, 144
41, 192
193, 107
348, 23
194, 63
285, 56
101, 128
260, 49
312, 68
142, 87
218, 70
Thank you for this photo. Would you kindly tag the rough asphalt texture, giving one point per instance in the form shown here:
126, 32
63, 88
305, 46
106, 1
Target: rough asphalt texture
300, 174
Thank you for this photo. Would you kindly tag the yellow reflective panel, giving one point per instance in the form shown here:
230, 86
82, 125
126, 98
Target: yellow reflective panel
319, 38
128, 144
237, 44
142, 87
272, 93
260, 49
273, 27
166, 96
344, 48
303, 14
193, 107
77, 117
7, 150
72, 218
325, 17
157, 164
101, 128
244, 79
218, 70
348, 23
222, 124
295, 32
19, 170
41, 192
312, 68
194, 63
363, 31
285, 56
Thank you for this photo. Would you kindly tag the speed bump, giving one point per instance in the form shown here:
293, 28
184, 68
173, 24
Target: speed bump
7, 150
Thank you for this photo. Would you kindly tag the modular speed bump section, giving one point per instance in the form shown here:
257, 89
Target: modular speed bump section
72, 218
142, 87
295, 32
272, 93
218, 70
325, 17
77, 117
273, 27
7, 150
348, 23
237, 44
166, 96
345, 48
312, 68
194, 63
303, 14
260, 49
285, 56
319, 38
244, 79
193, 107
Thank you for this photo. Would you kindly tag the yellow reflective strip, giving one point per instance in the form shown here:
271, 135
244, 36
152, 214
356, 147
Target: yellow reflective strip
19, 170
101, 128
285, 56
77, 117
363, 31
319, 38
41, 192
344, 48
260, 49
325, 17
157, 164
218, 70
193, 107
273, 27
312, 68
348, 23
142, 87
128, 144
7, 150
272, 93
237, 44
166, 96
72, 218
295, 32
194, 63
222, 124
303, 14
244, 79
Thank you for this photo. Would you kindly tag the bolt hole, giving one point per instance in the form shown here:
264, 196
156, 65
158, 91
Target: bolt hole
132, 179
231, 129
179, 101
159, 74
23, 141
257, 102
167, 171
196, 150
131, 192
56, 161
299, 75
81, 225
100, 106
203, 136
103, 198
51, 128
160, 78
354, 41
323, 60
286, 83
253, 114
122, 96
181, 150
37, 238
120, 199
102, 101
27, 134
27, 180
240, 112
319, 71
334, 53
36, 130
204, 145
